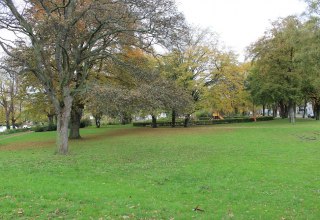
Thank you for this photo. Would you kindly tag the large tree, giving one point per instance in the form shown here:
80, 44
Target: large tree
309, 52
11, 91
225, 84
82, 32
275, 60
189, 62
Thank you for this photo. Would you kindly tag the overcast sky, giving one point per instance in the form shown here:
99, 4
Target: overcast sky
238, 22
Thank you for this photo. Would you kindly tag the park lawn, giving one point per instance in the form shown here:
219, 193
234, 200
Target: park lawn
263, 170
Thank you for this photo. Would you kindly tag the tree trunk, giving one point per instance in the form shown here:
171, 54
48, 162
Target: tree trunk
154, 121
291, 112
50, 119
263, 110
275, 111
186, 120
305, 108
253, 111
75, 119
283, 110
173, 119
316, 112
125, 118
63, 116
7, 113
12, 110
97, 119
236, 110
13, 122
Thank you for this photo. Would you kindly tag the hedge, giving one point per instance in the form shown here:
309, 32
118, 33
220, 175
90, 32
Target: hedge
204, 122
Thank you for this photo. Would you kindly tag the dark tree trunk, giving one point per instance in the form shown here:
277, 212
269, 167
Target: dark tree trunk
75, 119
283, 110
186, 120
263, 110
173, 119
50, 119
236, 110
154, 121
63, 111
317, 110
13, 122
125, 118
97, 119
275, 111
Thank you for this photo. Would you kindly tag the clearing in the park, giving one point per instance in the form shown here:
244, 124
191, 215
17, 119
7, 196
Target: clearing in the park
263, 170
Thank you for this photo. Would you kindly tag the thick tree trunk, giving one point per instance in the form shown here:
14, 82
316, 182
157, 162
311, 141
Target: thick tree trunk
283, 110
154, 121
63, 116
291, 112
75, 119
186, 120
263, 110
173, 119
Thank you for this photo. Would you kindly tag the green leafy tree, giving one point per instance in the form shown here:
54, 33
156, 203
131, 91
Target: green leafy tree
188, 64
276, 64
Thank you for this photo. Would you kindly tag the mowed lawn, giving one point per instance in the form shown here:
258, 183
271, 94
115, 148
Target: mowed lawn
263, 170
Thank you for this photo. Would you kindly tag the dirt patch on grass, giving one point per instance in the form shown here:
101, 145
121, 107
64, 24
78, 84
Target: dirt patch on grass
143, 132
146, 131
26, 145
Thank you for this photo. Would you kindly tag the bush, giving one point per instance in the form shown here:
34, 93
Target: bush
13, 131
205, 118
52, 127
203, 114
40, 128
205, 122
265, 118
43, 128
85, 123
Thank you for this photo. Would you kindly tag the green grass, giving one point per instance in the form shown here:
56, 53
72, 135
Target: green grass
264, 170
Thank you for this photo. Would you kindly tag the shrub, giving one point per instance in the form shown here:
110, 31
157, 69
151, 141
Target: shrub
265, 118
52, 127
203, 114
204, 122
85, 123
40, 128
205, 118
13, 131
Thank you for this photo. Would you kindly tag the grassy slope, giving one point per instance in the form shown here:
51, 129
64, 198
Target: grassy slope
265, 170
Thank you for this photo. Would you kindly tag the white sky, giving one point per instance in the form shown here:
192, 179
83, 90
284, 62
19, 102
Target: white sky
238, 22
